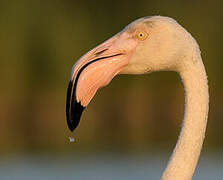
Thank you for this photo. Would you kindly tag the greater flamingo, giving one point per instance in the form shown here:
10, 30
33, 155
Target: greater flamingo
149, 44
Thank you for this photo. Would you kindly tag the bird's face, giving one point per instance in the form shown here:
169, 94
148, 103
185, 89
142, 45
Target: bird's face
158, 45
142, 47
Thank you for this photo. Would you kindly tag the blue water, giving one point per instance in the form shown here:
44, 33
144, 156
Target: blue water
100, 167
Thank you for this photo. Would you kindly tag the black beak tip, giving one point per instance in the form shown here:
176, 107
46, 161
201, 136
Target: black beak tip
74, 115
70, 125
74, 109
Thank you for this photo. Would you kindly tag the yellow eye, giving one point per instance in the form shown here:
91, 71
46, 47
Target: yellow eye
141, 35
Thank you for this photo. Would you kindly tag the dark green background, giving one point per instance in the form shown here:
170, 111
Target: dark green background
41, 40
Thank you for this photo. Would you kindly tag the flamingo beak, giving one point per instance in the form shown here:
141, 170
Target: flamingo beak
92, 71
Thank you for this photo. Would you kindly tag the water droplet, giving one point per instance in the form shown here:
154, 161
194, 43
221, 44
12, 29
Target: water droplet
71, 139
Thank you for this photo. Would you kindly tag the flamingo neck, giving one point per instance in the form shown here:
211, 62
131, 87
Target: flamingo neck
185, 156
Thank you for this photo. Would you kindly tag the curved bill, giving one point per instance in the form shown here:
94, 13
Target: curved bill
92, 71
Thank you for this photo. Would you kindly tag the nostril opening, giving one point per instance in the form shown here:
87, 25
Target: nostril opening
100, 52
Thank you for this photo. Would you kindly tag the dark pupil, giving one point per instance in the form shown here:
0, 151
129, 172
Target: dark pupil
140, 35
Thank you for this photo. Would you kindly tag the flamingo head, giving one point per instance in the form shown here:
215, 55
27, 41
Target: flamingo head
147, 44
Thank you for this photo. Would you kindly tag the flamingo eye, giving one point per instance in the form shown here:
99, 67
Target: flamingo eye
141, 35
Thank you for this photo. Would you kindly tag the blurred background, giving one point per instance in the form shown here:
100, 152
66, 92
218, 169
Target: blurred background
131, 126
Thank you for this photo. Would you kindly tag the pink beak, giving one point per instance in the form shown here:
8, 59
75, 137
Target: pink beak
94, 70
